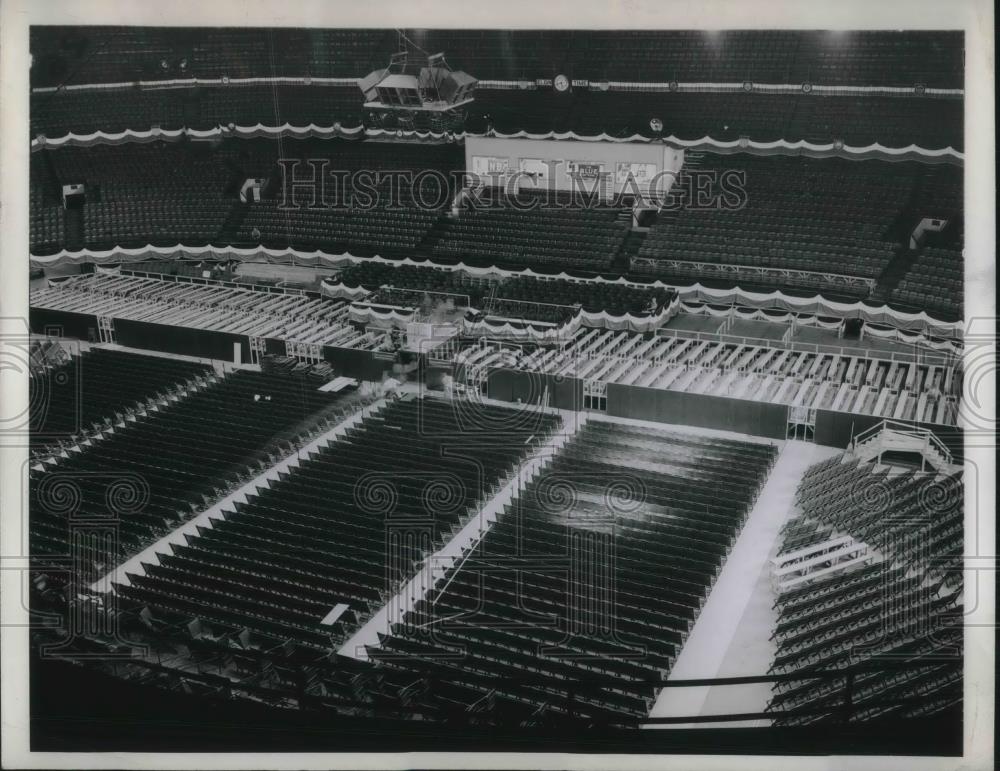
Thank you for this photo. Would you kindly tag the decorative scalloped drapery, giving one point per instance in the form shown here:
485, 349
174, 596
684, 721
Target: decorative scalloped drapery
921, 322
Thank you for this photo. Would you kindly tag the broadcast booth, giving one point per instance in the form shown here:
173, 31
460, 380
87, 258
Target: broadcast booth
408, 96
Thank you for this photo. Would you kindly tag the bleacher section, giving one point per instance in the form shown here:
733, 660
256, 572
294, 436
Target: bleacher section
47, 218
139, 194
172, 462
320, 536
375, 231
755, 370
902, 604
550, 300
165, 193
482, 458
889, 58
406, 284
828, 217
632, 525
392, 216
47, 227
69, 397
291, 317
549, 235
934, 283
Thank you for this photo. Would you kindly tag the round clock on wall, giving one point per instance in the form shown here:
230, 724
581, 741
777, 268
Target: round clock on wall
561, 83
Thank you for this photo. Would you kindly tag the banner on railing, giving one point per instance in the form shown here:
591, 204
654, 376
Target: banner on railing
312, 131
385, 318
510, 85
695, 293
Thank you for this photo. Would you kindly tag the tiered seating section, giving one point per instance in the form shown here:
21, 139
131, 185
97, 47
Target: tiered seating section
837, 224
104, 54
549, 235
148, 194
135, 195
935, 283
530, 298
169, 193
68, 397
822, 216
291, 317
399, 220
174, 461
47, 218
47, 227
320, 536
378, 231
597, 570
550, 300
751, 370
902, 605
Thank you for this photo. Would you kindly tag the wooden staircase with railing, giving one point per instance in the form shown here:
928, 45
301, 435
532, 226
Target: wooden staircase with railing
896, 436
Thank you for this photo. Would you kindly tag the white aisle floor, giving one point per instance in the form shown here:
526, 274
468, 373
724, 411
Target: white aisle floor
730, 637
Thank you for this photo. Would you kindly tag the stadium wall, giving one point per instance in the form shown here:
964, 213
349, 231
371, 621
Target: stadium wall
565, 393
82, 326
687, 409
274, 347
833, 429
356, 363
201, 343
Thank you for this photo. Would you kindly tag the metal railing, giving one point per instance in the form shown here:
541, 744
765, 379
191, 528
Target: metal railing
923, 357
568, 706
229, 284
928, 437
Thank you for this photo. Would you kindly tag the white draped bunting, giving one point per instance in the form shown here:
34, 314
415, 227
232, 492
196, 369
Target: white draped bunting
920, 322
385, 318
705, 143
521, 85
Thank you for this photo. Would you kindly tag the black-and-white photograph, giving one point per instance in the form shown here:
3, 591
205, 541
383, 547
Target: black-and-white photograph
475, 388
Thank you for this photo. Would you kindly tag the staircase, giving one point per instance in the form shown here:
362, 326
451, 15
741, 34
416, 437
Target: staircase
231, 226
895, 271
439, 231
73, 229
894, 436
899, 232
51, 186
910, 213
629, 249
490, 301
